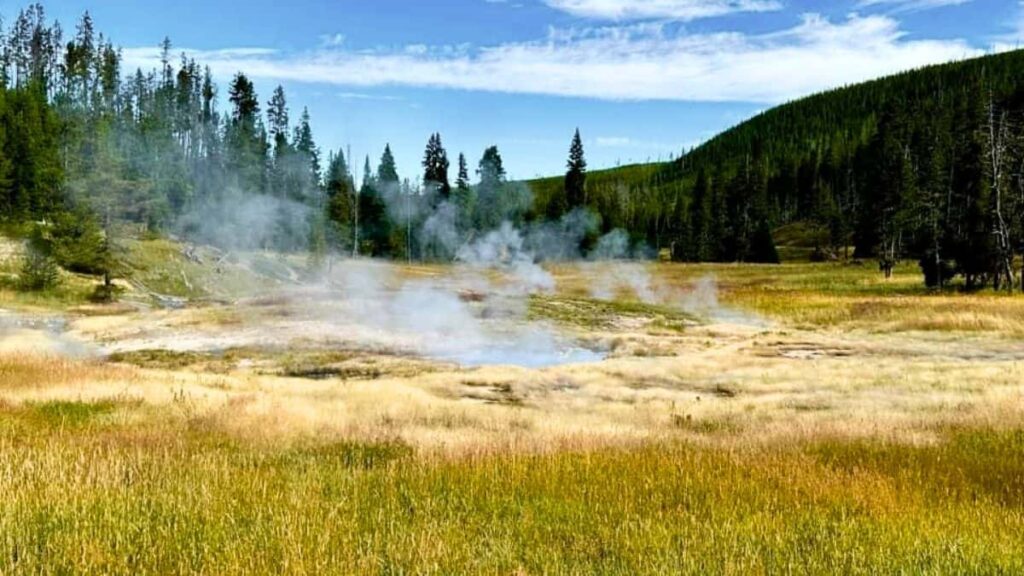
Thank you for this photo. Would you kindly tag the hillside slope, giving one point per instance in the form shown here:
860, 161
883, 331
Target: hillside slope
820, 159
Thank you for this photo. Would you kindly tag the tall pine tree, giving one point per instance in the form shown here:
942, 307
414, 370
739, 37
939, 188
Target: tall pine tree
435, 170
576, 176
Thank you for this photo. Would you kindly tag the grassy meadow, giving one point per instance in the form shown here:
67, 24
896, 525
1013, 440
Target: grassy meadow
862, 426
113, 488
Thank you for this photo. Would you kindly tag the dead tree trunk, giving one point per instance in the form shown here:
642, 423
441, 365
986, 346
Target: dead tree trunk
1001, 231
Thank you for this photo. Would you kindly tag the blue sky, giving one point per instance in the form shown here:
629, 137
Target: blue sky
642, 79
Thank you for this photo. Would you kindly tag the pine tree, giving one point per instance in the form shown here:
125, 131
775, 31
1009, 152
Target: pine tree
699, 246
465, 197
490, 201
462, 182
680, 231
340, 191
282, 179
762, 245
305, 145
975, 253
242, 95
491, 170
435, 169
277, 121
576, 176
387, 170
246, 141
374, 224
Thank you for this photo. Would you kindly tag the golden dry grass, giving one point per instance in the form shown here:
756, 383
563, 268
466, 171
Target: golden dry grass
864, 426
97, 490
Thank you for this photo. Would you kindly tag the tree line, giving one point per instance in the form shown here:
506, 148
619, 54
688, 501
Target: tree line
924, 165
85, 145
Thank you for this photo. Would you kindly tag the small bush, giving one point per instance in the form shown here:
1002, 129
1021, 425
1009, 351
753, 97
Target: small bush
105, 293
38, 272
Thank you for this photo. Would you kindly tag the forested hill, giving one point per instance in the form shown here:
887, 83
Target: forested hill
908, 166
926, 165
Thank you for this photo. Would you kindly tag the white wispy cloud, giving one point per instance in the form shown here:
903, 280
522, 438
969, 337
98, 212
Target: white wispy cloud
638, 62
912, 5
337, 39
627, 143
660, 9
613, 141
364, 96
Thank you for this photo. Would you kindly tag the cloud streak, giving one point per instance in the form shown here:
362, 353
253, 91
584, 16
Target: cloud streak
912, 5
683, 10
636, 62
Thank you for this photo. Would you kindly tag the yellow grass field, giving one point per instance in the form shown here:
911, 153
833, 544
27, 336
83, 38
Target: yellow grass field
804, 418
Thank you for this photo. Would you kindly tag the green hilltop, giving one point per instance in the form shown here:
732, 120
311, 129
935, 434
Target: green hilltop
855, 163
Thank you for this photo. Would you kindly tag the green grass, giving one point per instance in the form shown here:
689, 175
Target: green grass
589, 313
160, 359
168, 496
64, 296
121, 487
160, 266
59, 413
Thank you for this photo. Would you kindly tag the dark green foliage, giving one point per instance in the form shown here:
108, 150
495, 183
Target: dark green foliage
700, 247
245, 139
491, 169
491, 191
679, 231
576, 175
38, 272
435, 170
147, 147
465, 197
75, 241
937, 272
31, 172
374, 224
105, 293
762, 246
919, 165
387, 171
341, 199
306, 148
246, 107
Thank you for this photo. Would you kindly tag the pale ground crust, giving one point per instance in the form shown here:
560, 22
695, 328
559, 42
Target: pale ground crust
268, 369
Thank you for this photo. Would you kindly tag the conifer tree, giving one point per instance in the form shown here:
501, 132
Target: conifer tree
975, 254
246, 140
680, 231
306, 146
699, 246
465, 197
340, 191
576, 176
435, 169
491, 172
462, 181
374, 224
282, 181
277, 121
